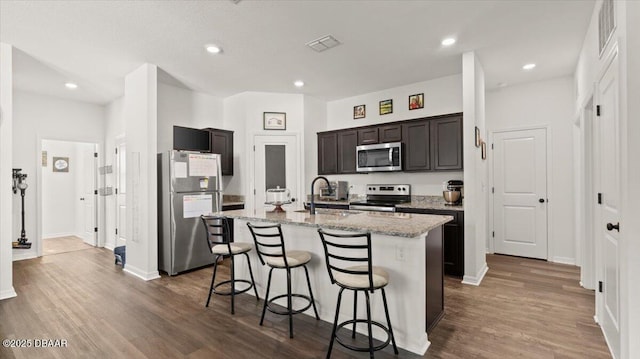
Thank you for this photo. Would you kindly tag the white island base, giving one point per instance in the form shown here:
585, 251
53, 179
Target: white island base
405, 259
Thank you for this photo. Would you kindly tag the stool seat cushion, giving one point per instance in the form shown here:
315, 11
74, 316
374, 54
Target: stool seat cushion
236, 248
380, 277
294, 259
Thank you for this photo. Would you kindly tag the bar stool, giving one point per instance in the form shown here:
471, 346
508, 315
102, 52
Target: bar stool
219, 243
269, 243
339, 252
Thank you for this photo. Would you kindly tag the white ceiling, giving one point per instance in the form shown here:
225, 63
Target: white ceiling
384, 43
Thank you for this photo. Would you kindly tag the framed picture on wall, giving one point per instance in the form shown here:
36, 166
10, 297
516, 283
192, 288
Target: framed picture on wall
386, 107
359, 112
60, 164
416, 101
274, 120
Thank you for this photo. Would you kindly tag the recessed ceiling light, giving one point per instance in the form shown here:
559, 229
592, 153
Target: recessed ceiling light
529, 66
298, 83
448, 41
71, 85
213, 49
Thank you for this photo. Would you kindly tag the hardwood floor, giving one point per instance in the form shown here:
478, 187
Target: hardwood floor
524, 308
62, 245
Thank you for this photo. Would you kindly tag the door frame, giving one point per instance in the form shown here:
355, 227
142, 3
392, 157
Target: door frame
119, 139
252, 158
585, 238
491, 161
607, 61
99, 200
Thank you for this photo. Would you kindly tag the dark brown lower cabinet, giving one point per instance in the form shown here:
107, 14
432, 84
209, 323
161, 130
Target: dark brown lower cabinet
453, 233
434, 306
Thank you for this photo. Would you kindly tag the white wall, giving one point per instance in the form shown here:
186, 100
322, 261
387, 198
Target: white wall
182, 107
141, 128
476, 201
631, 178
6, 152
40, 117
315, 120
547, 104
441, 96
243, 114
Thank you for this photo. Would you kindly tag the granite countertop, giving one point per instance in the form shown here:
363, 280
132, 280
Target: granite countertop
407, 225
430, 202
417, 202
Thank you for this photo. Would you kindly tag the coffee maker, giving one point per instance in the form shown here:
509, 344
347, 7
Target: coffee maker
453, 191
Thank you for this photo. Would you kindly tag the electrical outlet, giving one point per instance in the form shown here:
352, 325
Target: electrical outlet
400, 254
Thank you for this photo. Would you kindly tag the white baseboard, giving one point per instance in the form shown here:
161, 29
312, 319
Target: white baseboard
564, 260
477, 279
140, 273
9, 293
58, 235
109, 246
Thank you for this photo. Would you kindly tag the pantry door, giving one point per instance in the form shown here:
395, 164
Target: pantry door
520, 193
276, 164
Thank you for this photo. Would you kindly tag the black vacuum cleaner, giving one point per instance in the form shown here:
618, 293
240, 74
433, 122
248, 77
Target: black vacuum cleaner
20, 183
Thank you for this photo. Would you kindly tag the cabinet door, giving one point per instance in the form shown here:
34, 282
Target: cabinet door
390, 133
368, 136
416, 146
347, 142
327, 153
222, 143
446, 142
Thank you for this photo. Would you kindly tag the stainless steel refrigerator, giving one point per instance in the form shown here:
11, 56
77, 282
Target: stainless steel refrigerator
189, 185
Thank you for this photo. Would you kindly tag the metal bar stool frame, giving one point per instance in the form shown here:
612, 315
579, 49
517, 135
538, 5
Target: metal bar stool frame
276, 249
218, 234
330, 256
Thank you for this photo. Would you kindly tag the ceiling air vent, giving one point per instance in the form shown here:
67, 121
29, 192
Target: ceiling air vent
323, 43
606, 24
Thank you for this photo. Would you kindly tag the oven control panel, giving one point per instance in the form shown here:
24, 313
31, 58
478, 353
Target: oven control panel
388, 189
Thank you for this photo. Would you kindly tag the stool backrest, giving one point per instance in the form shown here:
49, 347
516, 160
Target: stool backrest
218, 231
341, 250
269, 241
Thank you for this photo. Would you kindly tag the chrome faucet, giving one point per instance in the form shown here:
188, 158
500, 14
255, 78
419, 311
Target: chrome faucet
312, 205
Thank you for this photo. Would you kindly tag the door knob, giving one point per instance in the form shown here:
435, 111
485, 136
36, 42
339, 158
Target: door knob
541, 200
293, 199
611, 227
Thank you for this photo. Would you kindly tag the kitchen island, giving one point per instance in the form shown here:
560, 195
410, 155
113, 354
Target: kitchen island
408, 245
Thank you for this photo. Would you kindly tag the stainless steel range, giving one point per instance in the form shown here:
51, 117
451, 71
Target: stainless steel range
383, 197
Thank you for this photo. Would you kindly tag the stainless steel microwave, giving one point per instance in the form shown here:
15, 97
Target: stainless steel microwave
379, 157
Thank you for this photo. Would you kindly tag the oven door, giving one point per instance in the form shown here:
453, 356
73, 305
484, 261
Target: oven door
380, 157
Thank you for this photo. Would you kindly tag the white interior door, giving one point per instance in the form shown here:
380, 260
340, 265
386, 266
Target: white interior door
275, 164
520, 193
88, 199
607, 236
120, 192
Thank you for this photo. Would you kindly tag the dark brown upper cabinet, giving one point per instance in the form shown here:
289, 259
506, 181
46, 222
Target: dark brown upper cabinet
222, 143
390, 133
416, 149
328, 153
368, 136
446, 142
347, 142
429, 144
